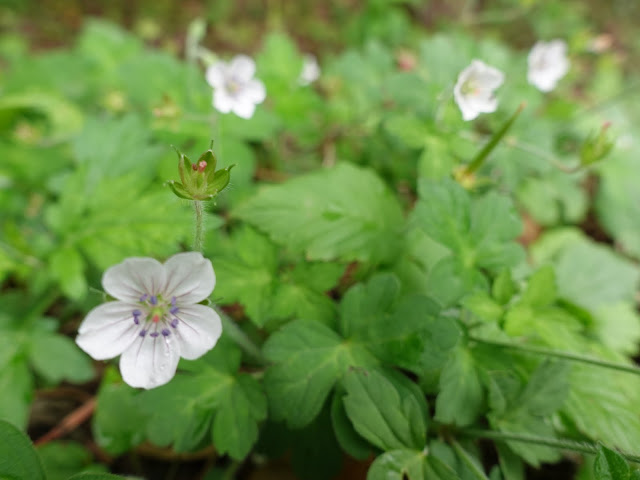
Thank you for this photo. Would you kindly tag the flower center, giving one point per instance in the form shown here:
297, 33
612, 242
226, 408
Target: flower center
157, 315
233, 86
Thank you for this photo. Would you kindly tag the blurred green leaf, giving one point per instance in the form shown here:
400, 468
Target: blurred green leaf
18, 458
610, 465
343, 213
57, 358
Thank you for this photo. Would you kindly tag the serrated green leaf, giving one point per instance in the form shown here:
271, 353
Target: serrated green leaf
547, 388
610, 465
460, 399
344, 213
57, 358
541, 288
308, 358
384, 410
18, 458
235, 427
480, 233
503, 287
483, 306
246, 273
352, 443
398, 464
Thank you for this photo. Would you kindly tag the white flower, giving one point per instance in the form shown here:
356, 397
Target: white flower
310, 70
474, 89
548, 63
156, 318
234, 88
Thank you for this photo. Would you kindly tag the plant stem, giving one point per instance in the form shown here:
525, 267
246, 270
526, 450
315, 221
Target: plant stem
468, 461
558, 354
560, 443
241, 339
479, 159
198, 239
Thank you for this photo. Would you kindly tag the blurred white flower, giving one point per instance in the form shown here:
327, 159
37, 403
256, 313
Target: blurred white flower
234, 88
548, 63
310, 70
473, 91
155, 319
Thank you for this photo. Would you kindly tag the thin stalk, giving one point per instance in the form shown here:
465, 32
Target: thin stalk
241, 339
198, 238
479, 159
560, 443
468, 461
558, 354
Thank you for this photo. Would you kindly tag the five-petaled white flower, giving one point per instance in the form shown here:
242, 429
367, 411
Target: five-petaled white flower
155, 319
234, 88
473, 91
310, 70
548, 63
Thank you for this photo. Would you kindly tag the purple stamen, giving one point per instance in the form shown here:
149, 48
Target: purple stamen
173, 301
174, 310
154, 334
166, 332
153, 300
143, 333
136, 320
174, 323
137, 313
144, 297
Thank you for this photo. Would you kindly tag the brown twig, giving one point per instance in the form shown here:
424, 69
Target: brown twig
70, 422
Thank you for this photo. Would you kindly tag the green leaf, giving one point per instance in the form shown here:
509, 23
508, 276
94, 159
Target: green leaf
118, 417
65, 119
386, 409
308, 358
16, 383
57, 358
67, 267
547, 388
352, 443
235, 426
212, 395
246, 273
610, 465
480, 233
408, 129
344, 213
483, 306
117, 218
398, 464
18, 458
460, 400
503, 287
63, 459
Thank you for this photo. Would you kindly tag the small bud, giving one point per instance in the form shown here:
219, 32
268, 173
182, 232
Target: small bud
596, 147
200, 180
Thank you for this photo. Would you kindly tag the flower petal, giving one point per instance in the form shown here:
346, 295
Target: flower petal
190, 277
242, 68
244, 108
254, 91
222, 101
150, 361
216, 74
198, 330
134, 277
108, 330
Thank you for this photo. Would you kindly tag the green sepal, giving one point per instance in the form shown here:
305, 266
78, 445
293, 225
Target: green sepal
220, 180
179, 190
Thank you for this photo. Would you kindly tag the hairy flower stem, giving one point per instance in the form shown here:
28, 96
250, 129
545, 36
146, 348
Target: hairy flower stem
547, 352
560, 443
198, 238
